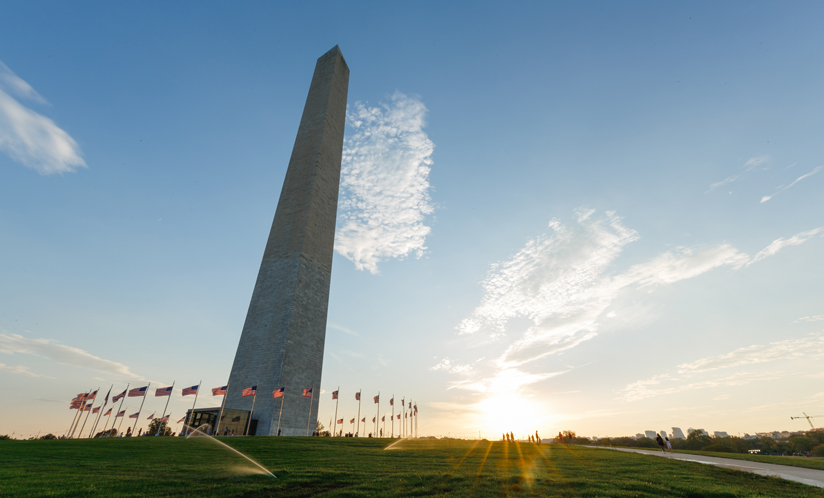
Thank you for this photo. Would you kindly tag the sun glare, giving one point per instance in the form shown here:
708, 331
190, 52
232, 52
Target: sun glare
511, 412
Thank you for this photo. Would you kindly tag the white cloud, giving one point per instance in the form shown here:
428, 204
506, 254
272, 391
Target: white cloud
448, 365
20, 370
752, 164
31, 138
781, 189
385, 183
555, 293
790, 349
781, 243
810, 347
343, 329
66, 355
813, 318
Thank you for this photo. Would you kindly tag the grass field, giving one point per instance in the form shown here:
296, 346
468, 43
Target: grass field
199, 467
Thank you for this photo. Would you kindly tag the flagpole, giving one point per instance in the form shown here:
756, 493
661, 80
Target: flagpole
83, 407
145, 393
66, 434
360, 395
220, 413
377, 422
282, 399
311, 399
100, 413
80, 434
337, 402
192, 413
125, 393
393, 415
167, 406
249, 423
107, 421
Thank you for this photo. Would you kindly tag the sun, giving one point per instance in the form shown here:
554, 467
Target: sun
511, 412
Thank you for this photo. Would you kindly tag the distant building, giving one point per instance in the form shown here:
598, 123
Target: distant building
747, 437
650, 434
663, 433
639, 436
677, 433
720, 434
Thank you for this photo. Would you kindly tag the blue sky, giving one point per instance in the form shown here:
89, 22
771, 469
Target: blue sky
602, 217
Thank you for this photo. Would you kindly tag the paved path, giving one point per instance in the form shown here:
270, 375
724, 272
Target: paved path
811, 477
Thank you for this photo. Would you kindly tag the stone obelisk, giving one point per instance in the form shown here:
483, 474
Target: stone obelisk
283, 337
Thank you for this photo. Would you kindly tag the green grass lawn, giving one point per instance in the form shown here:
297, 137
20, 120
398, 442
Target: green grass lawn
199, 467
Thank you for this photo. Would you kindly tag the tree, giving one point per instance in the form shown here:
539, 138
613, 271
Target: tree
158, 427
107, 433
802, 444
48, 436
698, 439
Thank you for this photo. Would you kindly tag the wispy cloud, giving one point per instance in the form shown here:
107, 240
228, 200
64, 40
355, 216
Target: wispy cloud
752, 164
66, 355
781, 189
450, 366
813, 318
781, 243
385, 183
561, 284
31, 138
343, 329
810, 347
20, 370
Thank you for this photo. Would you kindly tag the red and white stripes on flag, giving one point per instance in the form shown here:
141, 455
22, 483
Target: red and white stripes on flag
399, 416
91, 396
217, 391
340, 421
307, 392
109, 412
357, 396
377, 399
151, 416
87, 407
138, 391
134, 415
334, 395
121, 414
363, 420
163, 391
119, 396
278, 393
165, 419
352, 421
190, 390
181, 420
249, 391
95, 410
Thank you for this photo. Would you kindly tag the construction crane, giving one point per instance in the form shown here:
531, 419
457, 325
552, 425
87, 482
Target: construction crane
808, 417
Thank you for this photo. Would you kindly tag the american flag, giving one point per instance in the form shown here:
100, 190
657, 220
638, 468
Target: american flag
334, 395
278, 393
109, 412
404, 414
249, 391
340, 421
377, 398
91, 396
307, 393
416, 409
138, 391
163, 391
121, 413
363, 420
410, 405
181, 420
75, 404
383, 419
151, 416
134, 415
95, 410
373, 420
392, 402
88, 406
190, 390
166, 418
399, 416
119, 396
106, 401
217, 391
352, 421
357, 396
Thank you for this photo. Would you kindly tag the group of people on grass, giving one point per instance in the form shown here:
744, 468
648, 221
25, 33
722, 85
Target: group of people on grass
510, 437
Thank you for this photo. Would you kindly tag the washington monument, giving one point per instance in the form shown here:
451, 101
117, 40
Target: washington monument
283, 337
